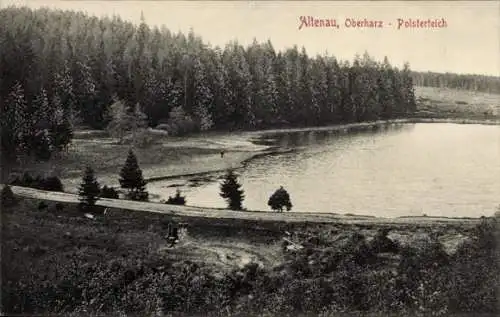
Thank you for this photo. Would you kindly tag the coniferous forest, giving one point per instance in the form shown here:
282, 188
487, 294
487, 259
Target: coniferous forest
62, 68
489, 84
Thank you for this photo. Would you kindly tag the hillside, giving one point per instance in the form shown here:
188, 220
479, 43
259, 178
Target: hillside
56, 261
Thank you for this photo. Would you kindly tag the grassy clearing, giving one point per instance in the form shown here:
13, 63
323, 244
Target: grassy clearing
63, 263
456, 104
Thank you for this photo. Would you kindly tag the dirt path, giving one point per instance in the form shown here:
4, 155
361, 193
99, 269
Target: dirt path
224, 254
187, 211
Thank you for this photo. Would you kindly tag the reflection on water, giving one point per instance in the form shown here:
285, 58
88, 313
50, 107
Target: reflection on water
319, 138
412, 169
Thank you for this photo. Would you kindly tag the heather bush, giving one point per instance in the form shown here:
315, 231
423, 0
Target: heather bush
51, 183
177, 199
381, 243
109, 192
7, 197
94, 267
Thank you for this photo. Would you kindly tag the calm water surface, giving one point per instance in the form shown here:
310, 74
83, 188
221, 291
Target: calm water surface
434, 169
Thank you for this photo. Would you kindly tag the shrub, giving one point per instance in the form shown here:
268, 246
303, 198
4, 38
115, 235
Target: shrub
474, 278
179, 122
177, 199
109, 192
52, 183
381, 243
141, 138
42, 205
25, 180
279, 200
162, 126
7, 197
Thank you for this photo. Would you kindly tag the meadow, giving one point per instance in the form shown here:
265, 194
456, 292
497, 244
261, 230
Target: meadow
456, 104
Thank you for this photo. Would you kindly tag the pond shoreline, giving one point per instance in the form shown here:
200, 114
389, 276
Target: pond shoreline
271, 137
242, 164
236, 159
345, 128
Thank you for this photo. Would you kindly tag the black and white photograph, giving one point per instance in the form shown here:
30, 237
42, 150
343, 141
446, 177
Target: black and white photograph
250, 158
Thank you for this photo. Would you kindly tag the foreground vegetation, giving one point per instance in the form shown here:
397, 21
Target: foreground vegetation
58, 262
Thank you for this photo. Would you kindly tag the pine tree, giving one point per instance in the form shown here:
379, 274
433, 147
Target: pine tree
41, 140
131, 179
63, 90
15, 125
61, 130
409, 102
231, 191
86, 90
203, 97
240, 80
385, 90
89, 190
223, 95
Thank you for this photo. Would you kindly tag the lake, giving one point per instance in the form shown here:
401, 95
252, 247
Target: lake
450, 170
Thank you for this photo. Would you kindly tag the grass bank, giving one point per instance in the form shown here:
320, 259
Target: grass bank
60, 262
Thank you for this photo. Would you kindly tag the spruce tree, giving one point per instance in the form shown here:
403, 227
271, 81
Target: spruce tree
203, 97
132, 180
89, 190
231, 191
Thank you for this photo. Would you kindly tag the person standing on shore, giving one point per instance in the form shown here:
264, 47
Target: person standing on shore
222, 153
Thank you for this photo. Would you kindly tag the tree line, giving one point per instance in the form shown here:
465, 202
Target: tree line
66, 68
482, 83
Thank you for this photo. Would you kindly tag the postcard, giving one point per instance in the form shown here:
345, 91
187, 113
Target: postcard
250, 158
